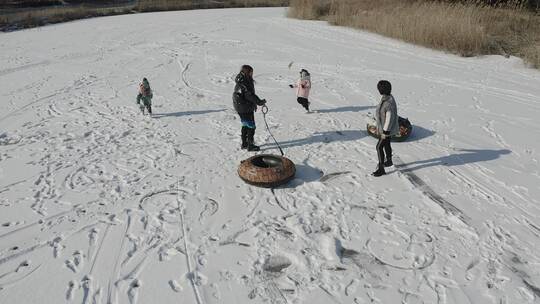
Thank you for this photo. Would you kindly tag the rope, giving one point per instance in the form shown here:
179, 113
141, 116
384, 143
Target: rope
264, 111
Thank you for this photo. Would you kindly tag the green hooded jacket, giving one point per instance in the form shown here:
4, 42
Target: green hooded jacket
145, 93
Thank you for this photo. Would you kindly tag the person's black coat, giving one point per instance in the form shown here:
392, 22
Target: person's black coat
244, 98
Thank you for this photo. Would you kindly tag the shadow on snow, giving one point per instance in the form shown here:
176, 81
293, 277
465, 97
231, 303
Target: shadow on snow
319, 137
345, 109
187, 113
467, 157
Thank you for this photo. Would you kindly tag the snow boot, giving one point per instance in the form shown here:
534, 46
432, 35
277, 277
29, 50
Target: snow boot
149, 108
253, 148
245, 131
388, 162
379, 172
251, 141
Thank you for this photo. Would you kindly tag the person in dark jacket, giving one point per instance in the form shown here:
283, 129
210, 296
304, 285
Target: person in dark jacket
245, 102
387, 126
145, 96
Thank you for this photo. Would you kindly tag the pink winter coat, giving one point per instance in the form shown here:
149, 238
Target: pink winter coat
302, 88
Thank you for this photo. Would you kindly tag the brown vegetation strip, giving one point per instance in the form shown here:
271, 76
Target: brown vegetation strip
467, 28
29, 17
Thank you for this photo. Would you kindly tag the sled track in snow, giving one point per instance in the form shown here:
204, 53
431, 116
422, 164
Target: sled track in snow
23, 67
430, 193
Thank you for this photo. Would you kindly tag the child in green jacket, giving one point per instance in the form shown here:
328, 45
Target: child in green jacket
145, 95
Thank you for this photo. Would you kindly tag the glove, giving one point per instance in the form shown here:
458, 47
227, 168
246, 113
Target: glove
263, 101
291, 86
385, 134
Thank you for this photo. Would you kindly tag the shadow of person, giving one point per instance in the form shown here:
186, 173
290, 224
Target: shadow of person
467, 157
187, 113
345, 109
319, 137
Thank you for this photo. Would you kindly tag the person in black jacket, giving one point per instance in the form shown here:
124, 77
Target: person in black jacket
245, 102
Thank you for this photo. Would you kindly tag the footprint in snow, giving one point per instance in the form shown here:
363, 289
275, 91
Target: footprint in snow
175, 286
72, 286
210, 208
276, 264
76, 262
133, 291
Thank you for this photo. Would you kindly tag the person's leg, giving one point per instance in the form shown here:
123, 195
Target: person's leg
306, 106
248, 131
388, 153
251, 141
380, 150
380, 155
244, 119
304, 102
251, 132
245, 132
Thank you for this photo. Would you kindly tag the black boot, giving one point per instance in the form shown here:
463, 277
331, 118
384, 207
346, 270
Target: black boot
251, 141
149, 108
245, 131
379, 172
388, 162
253, 148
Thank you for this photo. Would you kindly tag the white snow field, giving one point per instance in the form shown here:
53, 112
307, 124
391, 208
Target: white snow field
99, 204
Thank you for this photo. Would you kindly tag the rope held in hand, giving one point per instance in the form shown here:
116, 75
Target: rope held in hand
264, 111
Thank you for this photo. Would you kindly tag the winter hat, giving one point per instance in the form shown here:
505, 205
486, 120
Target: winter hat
304, 74
384, 87
145, 83
144, 87
246, 69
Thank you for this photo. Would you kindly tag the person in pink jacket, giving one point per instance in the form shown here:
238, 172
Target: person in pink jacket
303, 86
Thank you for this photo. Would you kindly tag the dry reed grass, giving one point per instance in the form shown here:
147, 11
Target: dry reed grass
464, 28
167, 5
52, 15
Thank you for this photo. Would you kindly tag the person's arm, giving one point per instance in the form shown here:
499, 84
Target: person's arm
387, 121
386, 126
139, 98
253, 98
294, 85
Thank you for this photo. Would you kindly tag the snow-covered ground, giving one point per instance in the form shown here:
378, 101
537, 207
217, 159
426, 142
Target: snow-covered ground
99, 204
